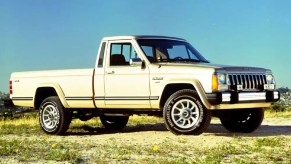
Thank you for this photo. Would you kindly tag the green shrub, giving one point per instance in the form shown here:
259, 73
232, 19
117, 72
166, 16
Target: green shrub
278, 107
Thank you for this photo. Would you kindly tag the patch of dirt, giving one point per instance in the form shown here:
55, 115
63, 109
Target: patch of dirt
149, 135
155, 134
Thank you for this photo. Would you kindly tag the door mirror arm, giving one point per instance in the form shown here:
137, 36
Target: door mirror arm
137, 62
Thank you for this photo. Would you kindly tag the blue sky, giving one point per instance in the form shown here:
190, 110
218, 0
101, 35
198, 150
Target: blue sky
51, 34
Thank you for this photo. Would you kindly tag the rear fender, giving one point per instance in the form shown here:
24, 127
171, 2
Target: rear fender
58, 90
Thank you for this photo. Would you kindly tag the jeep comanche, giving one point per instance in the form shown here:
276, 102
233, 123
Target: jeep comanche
151, 75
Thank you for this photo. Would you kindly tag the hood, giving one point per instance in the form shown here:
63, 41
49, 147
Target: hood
239, 69
203, 65
219, 67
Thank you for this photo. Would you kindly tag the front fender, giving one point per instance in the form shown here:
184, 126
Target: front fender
198, 87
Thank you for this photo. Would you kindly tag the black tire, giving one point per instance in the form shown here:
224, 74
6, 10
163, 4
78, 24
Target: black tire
114, 122
242, 120
185, 114
53, 117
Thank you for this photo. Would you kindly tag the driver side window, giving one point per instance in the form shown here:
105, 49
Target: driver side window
121, 53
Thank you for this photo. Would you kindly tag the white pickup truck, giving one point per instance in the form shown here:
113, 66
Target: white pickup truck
153, 75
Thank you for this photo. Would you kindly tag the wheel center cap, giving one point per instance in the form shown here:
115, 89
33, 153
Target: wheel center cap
186, 114
51, 116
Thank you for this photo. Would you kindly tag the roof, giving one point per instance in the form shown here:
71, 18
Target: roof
141, 37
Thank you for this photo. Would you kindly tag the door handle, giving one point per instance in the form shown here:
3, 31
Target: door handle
110, 72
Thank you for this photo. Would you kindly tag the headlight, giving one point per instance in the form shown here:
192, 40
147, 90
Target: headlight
221, 78
220, 82
270, 79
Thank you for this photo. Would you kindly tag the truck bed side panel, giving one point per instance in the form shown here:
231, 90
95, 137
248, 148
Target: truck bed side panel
75, 84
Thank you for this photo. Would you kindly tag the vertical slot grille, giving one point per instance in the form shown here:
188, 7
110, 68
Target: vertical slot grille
248, 81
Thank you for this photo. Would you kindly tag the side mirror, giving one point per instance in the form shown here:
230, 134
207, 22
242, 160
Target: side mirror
136, 62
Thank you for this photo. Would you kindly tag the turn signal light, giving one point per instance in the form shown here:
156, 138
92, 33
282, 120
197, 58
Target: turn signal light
214, 83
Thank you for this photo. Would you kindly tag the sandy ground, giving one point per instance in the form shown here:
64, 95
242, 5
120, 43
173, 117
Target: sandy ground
155, 134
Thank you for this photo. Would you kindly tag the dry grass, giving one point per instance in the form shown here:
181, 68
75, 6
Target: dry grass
145, 140
273, 114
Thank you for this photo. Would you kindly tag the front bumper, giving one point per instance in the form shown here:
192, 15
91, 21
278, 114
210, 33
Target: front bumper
242, 97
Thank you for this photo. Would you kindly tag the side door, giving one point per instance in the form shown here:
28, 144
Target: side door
126, 86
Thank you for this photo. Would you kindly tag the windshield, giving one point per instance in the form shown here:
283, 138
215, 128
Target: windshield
163, 50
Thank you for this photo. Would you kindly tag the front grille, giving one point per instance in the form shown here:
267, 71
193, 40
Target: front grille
248, 81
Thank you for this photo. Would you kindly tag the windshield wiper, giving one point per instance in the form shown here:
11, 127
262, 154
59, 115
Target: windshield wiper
194, 60
181, 60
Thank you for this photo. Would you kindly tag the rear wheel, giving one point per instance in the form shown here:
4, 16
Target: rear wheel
114, 122
185, 114
242, 120
53, 117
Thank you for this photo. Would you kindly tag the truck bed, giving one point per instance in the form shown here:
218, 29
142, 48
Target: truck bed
73, 83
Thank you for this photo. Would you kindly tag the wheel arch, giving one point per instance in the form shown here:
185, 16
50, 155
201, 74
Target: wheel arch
173, 87
46, 90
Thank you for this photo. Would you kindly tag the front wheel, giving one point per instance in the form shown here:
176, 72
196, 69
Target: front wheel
53, 117
114, 122
242, 120
185, 114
